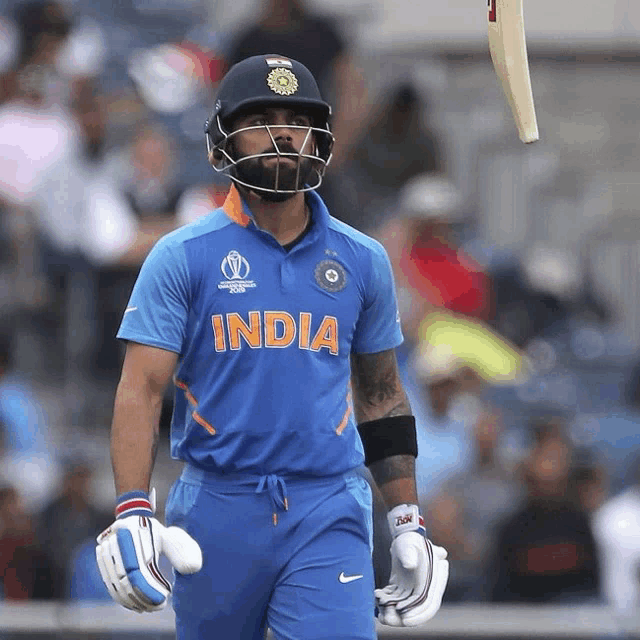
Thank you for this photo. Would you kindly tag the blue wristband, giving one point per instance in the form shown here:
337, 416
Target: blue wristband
133, 503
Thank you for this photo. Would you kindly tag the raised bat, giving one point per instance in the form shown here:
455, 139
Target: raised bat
508, 48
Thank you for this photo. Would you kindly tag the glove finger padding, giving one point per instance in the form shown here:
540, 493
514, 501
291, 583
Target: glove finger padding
419, 574
117, 568
128, 561
106, 565
419, 612
140, 558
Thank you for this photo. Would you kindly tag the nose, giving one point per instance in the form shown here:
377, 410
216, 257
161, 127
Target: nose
281, 131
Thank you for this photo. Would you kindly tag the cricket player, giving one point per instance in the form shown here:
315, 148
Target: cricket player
277, 325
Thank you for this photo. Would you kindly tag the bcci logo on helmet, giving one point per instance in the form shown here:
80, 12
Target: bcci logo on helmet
282, 81
235, 268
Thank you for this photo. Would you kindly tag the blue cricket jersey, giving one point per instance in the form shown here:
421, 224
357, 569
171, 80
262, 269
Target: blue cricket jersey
264, 338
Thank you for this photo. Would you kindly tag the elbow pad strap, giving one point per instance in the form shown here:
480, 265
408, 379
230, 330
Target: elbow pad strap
385, 437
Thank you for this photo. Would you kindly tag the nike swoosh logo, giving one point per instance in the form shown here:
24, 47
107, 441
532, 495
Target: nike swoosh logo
346, 579
130, 309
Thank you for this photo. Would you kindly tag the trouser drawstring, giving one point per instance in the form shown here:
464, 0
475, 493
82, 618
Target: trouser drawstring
277, 489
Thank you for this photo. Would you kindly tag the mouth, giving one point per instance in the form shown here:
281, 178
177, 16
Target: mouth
281, 159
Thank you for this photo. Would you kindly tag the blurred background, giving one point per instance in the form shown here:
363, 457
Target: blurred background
517, 265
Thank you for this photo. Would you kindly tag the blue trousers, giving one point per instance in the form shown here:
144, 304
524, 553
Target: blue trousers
291, 554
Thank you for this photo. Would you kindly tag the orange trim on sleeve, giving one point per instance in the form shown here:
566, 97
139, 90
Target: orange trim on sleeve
195, 415
233, 207
345, 418
203, 423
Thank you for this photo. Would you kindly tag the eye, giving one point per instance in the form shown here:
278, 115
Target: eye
258, 121
301, 121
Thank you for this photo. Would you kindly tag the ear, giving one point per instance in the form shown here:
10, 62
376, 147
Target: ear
215, 157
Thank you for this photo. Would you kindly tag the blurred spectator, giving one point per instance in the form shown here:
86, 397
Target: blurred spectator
129, 194
39, 145
290, 28
588, 485
85, 580
88, 228
447, 374
452, 348
470, 506
617, 529
67, 522
432, 271
543, 290
144, 181
546, 551
615, 434
27, 456
174, 77
25, 569
44, 27
20, 411
38, 133
520, 312
446, 408
149, 173
199, 200
396, 146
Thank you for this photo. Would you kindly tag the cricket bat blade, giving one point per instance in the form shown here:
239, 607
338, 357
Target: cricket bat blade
508, 48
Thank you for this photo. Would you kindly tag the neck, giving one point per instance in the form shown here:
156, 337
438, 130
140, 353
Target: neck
285, 221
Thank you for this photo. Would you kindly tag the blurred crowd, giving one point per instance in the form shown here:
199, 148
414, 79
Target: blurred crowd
527, 403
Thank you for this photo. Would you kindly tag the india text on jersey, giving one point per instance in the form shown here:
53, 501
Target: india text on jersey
274, 329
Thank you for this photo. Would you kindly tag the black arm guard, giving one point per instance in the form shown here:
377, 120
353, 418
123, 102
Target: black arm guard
395, 436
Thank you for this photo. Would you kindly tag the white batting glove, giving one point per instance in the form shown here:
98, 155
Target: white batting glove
419, 572
128, 553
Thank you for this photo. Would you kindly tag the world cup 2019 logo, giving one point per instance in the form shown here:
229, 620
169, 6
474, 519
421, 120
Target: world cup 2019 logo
235, 268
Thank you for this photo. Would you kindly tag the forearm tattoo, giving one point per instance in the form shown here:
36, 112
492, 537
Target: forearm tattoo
377, 389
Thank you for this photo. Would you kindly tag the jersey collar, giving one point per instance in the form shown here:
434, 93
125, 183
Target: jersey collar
238, 211
234, 207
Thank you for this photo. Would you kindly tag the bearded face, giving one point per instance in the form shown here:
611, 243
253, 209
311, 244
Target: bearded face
268, 173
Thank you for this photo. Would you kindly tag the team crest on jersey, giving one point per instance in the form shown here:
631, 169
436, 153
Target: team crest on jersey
235, 268
331, 276
282, 81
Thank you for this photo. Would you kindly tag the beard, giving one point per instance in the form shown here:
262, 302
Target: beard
290, 177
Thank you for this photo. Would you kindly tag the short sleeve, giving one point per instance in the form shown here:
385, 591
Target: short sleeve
158, 309
378, 327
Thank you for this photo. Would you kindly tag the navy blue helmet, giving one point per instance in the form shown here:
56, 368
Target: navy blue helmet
267, 81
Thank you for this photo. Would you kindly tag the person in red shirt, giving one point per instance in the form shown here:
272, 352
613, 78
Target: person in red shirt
432, 270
